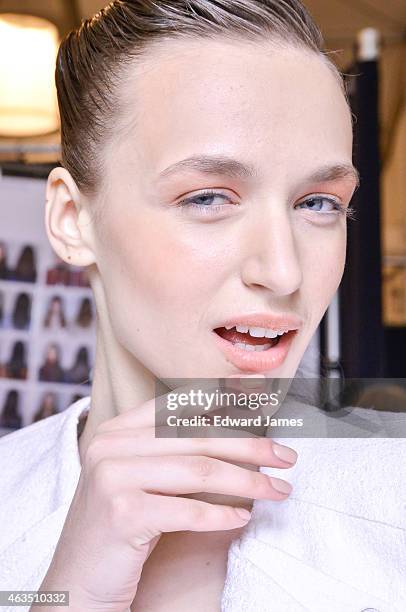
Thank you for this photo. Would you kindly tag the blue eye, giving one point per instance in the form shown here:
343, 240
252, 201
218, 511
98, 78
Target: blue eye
203, 202
316, 203
336, 208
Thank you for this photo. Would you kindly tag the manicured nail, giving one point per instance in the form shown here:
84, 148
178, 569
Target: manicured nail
281, 485
285, 453
243, 513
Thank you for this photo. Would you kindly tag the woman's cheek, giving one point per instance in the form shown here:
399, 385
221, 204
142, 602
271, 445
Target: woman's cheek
323, 268
163, 279
185, 261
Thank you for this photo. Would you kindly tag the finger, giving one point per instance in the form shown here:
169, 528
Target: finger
167, 514
258, 451
144, 415
155, 410
177, 475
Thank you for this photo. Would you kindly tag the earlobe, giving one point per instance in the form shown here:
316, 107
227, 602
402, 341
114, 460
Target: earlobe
71, 240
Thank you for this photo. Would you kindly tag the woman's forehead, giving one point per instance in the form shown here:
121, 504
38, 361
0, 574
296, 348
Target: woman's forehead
234, 96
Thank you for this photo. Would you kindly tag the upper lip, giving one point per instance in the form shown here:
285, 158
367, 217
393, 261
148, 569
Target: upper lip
265, 320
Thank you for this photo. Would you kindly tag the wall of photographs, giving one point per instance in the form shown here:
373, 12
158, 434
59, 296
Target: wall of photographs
47, 316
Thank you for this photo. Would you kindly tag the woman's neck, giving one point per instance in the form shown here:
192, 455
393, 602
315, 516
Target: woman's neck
120, 383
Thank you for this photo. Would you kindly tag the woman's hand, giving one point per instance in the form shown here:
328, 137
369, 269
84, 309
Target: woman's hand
127, 497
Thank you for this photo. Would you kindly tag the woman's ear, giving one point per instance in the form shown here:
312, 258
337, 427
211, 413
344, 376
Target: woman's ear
67, 221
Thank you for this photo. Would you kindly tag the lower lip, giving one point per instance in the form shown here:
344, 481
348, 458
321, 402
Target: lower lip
256, 361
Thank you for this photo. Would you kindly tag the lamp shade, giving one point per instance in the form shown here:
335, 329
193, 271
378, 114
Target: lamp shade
28, 104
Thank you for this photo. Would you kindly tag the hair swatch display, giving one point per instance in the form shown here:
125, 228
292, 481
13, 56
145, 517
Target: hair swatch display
22, 311
59, 274
55, 315
10, 415
80, 371
25, 269
84, 317
51, 370
39, 324
16, 367
47, 408
63, 274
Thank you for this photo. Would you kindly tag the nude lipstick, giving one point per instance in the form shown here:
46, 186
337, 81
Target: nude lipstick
257, 342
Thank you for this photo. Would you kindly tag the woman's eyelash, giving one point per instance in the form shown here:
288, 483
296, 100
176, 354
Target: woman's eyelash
191, 202
348, 211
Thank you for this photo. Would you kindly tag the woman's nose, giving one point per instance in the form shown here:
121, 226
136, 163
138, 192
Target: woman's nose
271, 257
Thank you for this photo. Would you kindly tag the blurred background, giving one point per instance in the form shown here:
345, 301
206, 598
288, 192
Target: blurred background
46, 309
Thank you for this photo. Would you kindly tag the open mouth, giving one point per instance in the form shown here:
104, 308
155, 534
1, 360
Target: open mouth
254, 339
253, 349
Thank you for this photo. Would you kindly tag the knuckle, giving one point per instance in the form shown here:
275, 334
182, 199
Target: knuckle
259, 482
119, 509
202, 466
96, 450
121, 517
103, 426
105, 477
197, 514
256, 446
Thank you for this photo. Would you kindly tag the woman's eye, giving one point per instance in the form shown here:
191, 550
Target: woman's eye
210, 202
322, 204
207, 201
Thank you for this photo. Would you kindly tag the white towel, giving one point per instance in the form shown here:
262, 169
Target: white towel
338, 543
40, 468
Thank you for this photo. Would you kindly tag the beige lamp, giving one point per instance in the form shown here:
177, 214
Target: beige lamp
28, 47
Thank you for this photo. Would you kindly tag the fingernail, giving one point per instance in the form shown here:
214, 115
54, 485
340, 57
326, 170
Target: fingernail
243, 513
284, 452
281, 485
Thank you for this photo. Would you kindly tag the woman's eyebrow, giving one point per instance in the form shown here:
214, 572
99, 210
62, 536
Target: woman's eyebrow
334, 172
212, 164
234, 168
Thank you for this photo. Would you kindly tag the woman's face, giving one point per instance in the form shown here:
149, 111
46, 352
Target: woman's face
172, 274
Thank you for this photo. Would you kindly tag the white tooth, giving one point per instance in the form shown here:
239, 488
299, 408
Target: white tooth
263, 347
281, 332
229, 326
271, 333
242, 329
246, 347
257, 332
